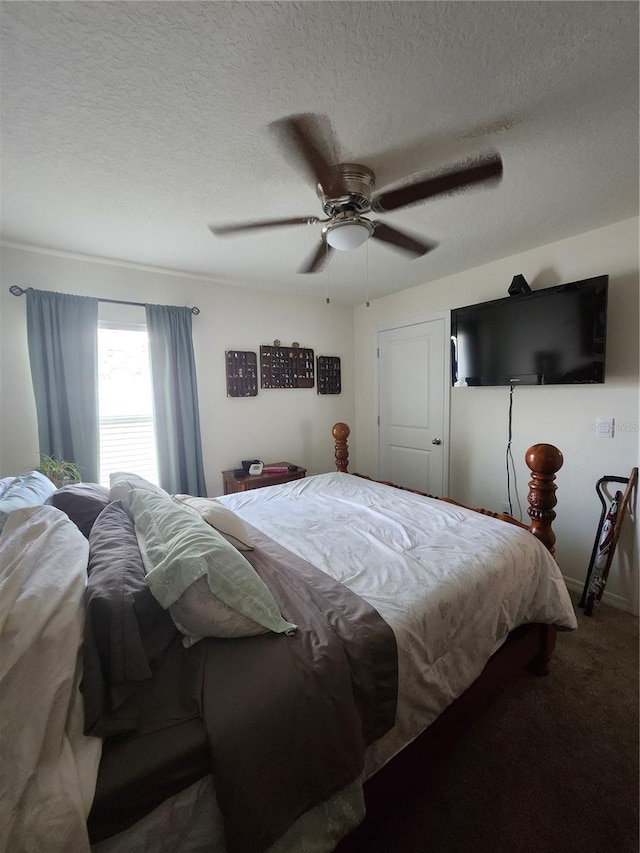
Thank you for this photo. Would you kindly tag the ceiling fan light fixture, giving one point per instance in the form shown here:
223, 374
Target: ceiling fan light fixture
348, 234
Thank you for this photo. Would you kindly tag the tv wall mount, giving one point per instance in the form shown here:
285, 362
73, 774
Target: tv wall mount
518, 286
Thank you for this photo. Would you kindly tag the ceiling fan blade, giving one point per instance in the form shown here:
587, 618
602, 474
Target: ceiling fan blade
223, 230
400, 239
319, 258
456, 178
302, 136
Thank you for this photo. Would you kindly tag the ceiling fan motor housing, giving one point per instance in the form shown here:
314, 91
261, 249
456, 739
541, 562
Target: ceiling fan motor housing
355, 185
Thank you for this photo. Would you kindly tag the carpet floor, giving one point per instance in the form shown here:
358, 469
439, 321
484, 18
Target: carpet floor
551, 766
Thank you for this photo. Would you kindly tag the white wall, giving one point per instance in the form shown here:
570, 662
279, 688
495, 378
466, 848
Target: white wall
293, 425
560, 415
296, 424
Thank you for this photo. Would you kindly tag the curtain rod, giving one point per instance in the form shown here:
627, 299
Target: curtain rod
16, 290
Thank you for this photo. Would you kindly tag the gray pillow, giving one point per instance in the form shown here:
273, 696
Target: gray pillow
181, 548
82, 502
126, 630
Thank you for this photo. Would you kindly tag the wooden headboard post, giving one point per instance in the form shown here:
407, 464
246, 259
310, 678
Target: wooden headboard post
340, 433
543, 460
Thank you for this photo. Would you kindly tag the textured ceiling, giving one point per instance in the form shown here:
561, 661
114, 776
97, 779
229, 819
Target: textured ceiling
128, 127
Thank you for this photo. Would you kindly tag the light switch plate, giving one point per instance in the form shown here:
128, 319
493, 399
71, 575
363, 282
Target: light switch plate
605, 427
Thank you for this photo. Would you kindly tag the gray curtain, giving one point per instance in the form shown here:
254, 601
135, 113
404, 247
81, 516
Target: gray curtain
175, 400
62, 334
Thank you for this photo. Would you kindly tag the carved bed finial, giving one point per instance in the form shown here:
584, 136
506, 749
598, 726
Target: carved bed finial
340, 434
543, 460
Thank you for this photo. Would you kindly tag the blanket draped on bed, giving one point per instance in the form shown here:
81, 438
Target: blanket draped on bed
287, 718
47, 766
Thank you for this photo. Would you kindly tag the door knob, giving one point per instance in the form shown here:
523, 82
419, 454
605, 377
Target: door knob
436, 441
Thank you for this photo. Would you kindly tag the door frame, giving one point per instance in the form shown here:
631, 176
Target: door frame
445, 316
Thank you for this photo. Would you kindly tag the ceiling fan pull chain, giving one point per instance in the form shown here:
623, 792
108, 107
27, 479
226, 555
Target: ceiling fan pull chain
366, 278
326, 249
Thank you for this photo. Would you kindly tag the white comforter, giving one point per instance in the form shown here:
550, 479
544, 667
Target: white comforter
47, 766
450, 582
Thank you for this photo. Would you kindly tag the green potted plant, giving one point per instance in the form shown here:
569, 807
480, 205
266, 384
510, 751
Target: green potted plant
59, 471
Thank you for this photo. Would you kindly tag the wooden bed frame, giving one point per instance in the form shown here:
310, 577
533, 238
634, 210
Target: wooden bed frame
529, 647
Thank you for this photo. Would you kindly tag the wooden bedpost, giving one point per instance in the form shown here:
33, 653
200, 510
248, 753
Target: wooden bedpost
340, 433
547, 637
543, 460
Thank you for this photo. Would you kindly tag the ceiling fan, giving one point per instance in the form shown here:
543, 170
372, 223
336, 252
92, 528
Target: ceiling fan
347, 191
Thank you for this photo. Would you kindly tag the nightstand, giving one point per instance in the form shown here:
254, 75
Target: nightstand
257, 481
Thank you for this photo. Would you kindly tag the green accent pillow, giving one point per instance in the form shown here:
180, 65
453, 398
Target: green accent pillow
181, 548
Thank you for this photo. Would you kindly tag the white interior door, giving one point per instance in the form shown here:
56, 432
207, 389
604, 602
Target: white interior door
412, 384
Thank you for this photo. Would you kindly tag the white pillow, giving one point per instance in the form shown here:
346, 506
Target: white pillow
226, 522
122, 483
199, 613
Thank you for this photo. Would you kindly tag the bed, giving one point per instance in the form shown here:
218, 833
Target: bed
391, 617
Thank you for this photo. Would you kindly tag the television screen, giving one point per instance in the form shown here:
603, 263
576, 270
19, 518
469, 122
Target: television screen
555, 336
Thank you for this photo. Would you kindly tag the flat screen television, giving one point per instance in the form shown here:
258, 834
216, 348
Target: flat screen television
554, 336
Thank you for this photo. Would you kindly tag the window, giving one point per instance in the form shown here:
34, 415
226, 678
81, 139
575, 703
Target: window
127, 433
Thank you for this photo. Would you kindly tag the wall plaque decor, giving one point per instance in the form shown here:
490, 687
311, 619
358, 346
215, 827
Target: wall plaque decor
329, 374
242, 373
286, 367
